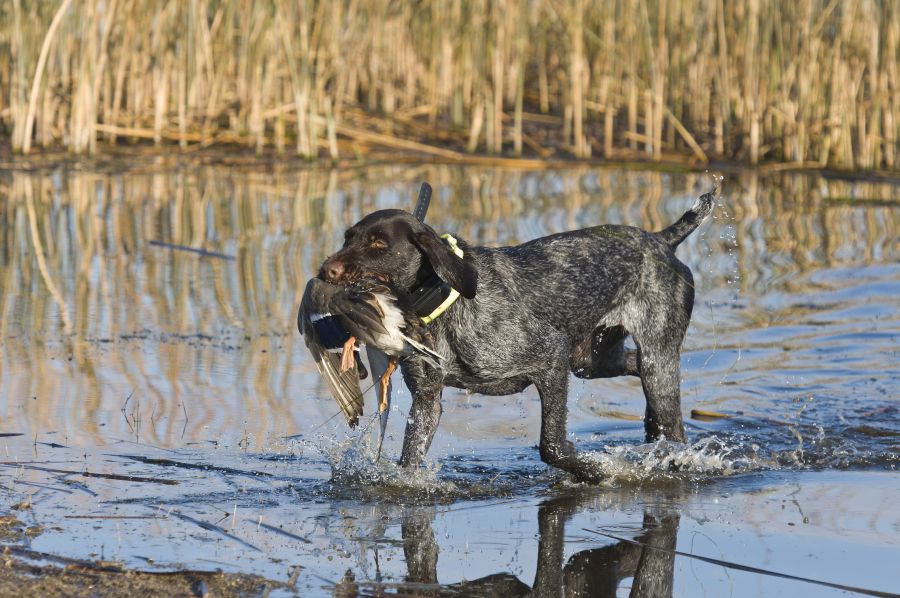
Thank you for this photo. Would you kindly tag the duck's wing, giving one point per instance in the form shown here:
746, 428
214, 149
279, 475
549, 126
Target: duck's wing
344, 386
417, 336
359, 312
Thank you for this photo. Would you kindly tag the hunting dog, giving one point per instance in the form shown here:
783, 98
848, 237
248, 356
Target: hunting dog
532, 313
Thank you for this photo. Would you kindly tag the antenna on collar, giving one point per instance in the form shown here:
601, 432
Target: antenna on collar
422, 203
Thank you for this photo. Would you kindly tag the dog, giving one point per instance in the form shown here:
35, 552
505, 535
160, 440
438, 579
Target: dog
533, 313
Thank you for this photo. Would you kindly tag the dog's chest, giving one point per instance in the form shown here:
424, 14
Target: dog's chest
496, 387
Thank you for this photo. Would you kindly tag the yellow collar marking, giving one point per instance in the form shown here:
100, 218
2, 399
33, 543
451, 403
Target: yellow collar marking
454, 294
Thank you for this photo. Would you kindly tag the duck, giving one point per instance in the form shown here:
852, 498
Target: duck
336, 319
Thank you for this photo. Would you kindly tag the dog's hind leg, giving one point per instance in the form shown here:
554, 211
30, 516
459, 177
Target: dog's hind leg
661, 379
659, 361
603, 355
661, 319
425, 386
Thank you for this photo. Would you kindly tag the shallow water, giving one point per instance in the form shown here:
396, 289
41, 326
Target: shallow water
122, 356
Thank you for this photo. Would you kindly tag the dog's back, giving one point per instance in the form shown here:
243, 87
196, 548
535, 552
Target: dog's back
581, 279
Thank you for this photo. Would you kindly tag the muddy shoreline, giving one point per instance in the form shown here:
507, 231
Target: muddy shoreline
20, 576
33, 573
148, 159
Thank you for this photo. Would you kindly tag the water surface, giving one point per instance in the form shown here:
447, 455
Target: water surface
122, 356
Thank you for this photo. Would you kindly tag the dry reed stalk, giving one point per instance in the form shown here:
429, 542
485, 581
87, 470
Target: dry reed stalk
811, 81
24, 141
576, 77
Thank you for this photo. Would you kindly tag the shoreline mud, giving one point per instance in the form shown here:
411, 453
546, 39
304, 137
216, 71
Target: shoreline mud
146, 159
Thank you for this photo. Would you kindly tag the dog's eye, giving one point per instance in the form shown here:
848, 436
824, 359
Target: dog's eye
377, 243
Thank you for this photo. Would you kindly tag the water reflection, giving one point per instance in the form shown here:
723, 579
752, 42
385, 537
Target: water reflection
92, 313
504, 535
646, 558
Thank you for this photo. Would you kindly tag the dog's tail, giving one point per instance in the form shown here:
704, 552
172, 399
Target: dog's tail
677, 232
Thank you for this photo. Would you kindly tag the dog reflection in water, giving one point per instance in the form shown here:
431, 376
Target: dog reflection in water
648, 558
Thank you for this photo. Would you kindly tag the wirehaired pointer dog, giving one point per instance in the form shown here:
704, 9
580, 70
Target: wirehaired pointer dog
532, 313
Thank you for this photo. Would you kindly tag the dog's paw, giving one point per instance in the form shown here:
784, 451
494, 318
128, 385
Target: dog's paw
586, 471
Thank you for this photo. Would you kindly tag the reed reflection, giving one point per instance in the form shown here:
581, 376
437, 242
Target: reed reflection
91, 312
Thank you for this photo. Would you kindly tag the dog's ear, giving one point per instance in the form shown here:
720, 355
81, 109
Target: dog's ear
451, 268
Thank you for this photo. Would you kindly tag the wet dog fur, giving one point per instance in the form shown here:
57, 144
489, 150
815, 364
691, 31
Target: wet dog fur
533, 313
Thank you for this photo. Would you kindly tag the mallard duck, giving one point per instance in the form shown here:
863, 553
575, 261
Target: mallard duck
336, 319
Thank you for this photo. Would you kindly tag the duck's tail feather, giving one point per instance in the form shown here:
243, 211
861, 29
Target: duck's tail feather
433, 358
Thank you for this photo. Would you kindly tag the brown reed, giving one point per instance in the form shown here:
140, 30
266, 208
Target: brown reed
812, 82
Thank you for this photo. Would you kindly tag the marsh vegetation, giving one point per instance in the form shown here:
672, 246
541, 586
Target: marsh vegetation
812, 82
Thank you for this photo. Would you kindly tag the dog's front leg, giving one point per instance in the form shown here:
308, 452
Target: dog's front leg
425, 385
556, 450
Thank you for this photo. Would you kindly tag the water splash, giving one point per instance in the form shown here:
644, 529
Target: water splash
665, 460
355, 470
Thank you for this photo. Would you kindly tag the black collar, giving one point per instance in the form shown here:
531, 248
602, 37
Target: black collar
432, 296
429, 293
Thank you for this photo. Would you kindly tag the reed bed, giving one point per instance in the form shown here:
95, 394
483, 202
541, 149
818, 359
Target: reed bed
812, 82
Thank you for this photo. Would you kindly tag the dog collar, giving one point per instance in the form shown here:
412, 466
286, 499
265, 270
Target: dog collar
433, 296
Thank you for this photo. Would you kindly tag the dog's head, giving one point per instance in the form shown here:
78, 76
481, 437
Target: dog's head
393, 246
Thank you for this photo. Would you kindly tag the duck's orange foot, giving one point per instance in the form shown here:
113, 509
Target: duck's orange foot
385, 381
347, 357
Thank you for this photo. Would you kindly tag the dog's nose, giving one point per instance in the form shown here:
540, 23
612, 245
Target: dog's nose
332, 271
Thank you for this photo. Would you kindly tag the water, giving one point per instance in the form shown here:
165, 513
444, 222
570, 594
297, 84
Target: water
123, 357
